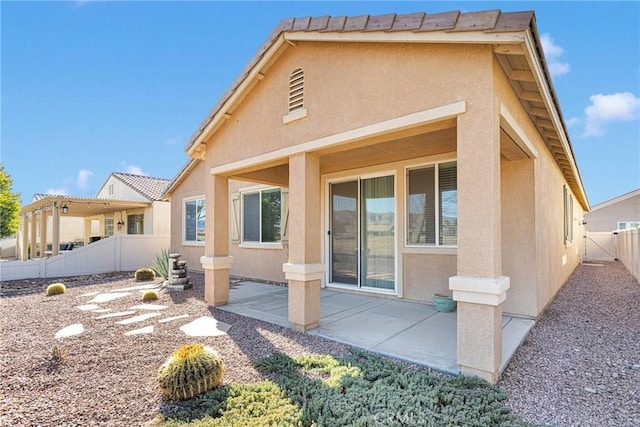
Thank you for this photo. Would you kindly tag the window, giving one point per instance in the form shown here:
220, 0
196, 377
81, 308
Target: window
568, 215
627, 225
432, 205
261, 216
108, 227
135, 224
194, 216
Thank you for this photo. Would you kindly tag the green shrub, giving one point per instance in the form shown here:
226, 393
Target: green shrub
161, 264
56, 289
144, 274
191, 370
150, 295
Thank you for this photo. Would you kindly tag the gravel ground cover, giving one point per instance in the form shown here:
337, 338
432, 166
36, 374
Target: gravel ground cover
579, 366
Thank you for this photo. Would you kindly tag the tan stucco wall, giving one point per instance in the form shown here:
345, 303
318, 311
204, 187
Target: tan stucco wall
406, 78
607, 217
426, 274
160, 218
121, 191
553, 261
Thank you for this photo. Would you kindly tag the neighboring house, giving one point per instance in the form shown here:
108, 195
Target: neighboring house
619, 213
399, 155
126, 204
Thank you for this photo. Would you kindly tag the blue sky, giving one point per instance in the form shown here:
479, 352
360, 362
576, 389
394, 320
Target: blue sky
93, 87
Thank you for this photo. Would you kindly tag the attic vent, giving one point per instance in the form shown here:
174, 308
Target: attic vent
296, 90
296, 97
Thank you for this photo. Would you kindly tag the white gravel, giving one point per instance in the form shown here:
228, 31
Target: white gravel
580, 366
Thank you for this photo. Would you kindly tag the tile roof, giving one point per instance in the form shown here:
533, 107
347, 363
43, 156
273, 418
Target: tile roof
491, 21
151, 188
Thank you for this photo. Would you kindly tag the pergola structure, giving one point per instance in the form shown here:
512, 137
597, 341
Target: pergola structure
34, 218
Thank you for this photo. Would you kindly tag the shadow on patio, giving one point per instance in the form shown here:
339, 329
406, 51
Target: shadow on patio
405, 330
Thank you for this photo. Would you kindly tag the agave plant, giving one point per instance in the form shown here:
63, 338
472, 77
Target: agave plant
161, 265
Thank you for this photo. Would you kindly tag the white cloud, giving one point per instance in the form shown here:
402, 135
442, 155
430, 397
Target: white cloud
605, 109
554, 54
173, 141
83, 178
573, 121
135, 170
57, 191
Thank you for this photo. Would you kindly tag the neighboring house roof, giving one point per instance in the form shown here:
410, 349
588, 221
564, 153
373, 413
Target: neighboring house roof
80, 206
516, 44
149, 187
181, 176
616, 199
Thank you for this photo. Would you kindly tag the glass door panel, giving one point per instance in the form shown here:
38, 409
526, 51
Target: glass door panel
344, 233
378, 233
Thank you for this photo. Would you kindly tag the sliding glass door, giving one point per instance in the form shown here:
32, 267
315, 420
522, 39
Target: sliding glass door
362, 233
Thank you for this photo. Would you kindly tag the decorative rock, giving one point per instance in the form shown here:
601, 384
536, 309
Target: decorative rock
590, 390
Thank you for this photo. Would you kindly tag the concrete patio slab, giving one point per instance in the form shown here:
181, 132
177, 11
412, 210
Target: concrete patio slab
406, 330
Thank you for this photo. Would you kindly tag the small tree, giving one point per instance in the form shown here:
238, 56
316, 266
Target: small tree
9, 206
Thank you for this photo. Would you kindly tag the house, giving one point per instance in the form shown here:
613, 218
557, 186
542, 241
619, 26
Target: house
126, 204
393, 155
620, 213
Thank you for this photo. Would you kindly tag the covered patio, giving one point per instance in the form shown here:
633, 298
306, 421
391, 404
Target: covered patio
406, 330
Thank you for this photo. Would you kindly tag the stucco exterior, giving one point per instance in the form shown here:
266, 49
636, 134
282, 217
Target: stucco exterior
379, 105
605, 216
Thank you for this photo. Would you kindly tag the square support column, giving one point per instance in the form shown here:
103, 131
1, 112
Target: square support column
216, 262
43, 232
33, 223
304, 271
479, 286
55, 229
24, 255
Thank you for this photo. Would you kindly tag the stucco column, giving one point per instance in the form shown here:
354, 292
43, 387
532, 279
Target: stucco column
43, 232
216, 262
24, 255
55, 231
33, 225
479, 286
304, 270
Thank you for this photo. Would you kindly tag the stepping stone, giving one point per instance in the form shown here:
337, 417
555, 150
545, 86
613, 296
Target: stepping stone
169, 319
118, 314
109, 297
135, 288
145, 330
139, 318
149, 307
70, 330
102, 310
90, 294
87, 307
205, 326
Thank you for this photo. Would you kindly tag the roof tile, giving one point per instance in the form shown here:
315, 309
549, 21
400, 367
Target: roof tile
439, 21
336, 23
301, 24
381, 22
319, 23
356, 23
512, 21
475, 21
411, 21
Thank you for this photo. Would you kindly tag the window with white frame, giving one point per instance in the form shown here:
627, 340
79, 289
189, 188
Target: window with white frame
568, 215
194, 217
627, 225
261, 216
432, 205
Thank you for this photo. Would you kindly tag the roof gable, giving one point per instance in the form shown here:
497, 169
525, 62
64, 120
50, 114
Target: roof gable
617, 199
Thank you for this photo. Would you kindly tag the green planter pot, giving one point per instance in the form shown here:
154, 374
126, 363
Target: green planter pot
444, 303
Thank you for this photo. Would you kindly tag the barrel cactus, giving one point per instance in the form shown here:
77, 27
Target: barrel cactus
56, 289
150, 295
145, 274
191, 370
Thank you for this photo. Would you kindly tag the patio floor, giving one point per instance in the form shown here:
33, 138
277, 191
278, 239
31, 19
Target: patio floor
405, 330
